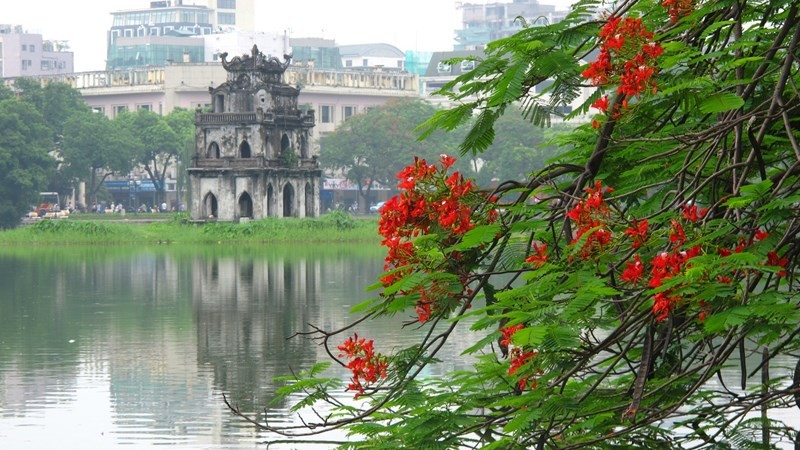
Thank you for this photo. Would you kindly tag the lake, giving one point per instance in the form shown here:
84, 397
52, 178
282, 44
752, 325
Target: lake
112, 346
106, 347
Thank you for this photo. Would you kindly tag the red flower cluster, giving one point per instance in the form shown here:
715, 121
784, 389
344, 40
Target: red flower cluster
539, 256
774, 260
591, 214
519, 357
431, 202
638, 232
627, 58
366, 365
667, 265
678, 8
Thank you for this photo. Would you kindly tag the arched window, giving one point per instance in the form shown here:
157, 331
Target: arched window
213, 151
284, 143
210, 207
288, 200
244, 150
245, 206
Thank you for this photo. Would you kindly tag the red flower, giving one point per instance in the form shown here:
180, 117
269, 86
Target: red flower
761, 235
539, 257
774, 260
633, 271
508, 333
601, 103
446, 161
366, 365
638, 232
676, 234
690, 213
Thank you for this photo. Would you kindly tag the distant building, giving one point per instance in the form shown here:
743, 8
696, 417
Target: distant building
372, 56
254, 156
25, 54
440, 72
234, 13
155, 36
240, 42
487, 22
316, 53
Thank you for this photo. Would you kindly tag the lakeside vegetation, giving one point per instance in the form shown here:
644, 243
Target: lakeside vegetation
97, 230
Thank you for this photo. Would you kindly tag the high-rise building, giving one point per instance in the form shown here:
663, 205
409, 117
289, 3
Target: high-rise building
487, 22
27, 54
157, 35
234, 13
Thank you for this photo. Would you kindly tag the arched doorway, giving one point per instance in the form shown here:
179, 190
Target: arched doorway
284, 144
244, 150
213, 151
288, 200
210, 207
245, 206
309, 200
270, 201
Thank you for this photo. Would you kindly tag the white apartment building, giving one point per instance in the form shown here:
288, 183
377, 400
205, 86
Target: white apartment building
25, 54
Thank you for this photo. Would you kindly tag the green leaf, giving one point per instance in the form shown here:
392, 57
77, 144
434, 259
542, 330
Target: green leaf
721, 102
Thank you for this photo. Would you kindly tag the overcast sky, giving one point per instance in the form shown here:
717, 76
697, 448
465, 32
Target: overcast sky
423, 25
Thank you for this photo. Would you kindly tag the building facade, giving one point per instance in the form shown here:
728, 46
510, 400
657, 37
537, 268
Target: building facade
254, 158
234, 13
155, 36
28, 55
487, 22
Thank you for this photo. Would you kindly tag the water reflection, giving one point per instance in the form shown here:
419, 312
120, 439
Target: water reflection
136, 346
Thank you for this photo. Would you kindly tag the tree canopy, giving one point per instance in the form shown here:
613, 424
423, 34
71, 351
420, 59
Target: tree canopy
639, 291
374, 146
25, 163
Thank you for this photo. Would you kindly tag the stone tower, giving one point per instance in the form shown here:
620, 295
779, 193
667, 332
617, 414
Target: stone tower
254, 157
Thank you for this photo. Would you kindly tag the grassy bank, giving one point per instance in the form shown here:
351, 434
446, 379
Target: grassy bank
334, 227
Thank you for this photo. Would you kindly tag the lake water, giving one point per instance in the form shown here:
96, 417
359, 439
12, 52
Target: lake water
109, 347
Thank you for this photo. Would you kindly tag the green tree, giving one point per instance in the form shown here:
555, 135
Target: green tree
95, 148
662, 249
158, 145
374, 146
24, 160
181, 121
518, 149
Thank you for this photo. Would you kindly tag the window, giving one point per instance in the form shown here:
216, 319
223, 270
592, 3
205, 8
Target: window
226, 18
348, 111
400, 63
348, 63
128, 33
326, 114
24, 47
145, 107
47, 65
226, 4
98, 109
26, 63
443, 67
119, 109
32, 48
365, 62
467, 65
154, 31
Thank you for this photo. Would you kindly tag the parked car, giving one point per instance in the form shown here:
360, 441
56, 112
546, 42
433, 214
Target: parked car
376, 207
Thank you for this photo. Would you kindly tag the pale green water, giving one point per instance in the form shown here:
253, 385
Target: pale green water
134, 347
104, 348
